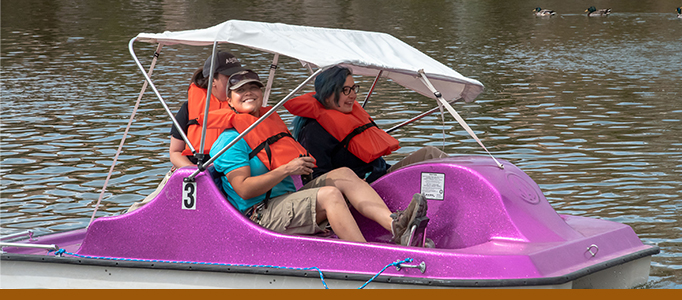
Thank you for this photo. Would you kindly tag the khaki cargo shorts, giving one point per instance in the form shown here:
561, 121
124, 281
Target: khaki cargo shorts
294, 213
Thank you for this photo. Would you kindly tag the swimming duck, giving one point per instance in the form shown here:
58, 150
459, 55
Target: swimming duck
593, 12
679, 12
543, 12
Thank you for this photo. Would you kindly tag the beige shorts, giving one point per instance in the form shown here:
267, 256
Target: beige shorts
294, 213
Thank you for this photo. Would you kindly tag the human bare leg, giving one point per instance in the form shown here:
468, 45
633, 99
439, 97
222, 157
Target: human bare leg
361, 195
332, 206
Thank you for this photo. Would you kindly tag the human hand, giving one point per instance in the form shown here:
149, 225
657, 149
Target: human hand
302, 165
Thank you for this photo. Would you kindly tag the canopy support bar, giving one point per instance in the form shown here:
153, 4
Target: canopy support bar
37, 246
28, 233
424, 114
369, 93
158, 95
203, 167
439, 97
307, 66
271, 79
200, 154
125, 133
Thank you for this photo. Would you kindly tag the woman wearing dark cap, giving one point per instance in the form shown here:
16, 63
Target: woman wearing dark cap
225, 64
258, 173
338, 132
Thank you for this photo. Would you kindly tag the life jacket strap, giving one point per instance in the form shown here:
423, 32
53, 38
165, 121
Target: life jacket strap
351, 135
266, 145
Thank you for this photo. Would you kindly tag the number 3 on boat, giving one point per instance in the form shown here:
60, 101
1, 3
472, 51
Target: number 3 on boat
189, 193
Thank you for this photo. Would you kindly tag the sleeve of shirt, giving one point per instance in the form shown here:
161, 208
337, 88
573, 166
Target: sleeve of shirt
235, 157
319, 144
182, 116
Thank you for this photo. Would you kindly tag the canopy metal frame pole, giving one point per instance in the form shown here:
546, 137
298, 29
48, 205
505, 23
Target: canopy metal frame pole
28, 233
308, 67
203, 167
369, 93
158, 95
130, 122
37, 246
424, 114
200, 154
271, 78
460, 120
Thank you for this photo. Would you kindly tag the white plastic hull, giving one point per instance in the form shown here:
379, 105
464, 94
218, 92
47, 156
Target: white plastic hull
27, 274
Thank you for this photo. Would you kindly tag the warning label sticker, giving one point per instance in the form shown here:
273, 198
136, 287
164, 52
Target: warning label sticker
433, 186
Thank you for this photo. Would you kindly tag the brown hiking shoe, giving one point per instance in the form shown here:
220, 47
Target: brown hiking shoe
403, 219
429, 243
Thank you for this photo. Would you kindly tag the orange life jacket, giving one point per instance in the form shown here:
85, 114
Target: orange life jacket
355, 130
270, 135
196, 104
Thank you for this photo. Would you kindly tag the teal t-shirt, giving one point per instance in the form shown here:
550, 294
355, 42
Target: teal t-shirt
236, 157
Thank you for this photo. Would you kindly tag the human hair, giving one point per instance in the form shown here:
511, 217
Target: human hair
330, 82
199, 79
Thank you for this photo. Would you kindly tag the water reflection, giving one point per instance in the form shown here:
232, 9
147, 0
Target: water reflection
588, 107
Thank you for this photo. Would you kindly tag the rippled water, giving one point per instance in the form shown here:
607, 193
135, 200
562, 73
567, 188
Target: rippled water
588, 107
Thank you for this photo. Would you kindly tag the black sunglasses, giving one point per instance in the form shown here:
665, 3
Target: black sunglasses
355, 88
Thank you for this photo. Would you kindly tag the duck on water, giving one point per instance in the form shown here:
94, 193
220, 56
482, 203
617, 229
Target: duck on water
594, 12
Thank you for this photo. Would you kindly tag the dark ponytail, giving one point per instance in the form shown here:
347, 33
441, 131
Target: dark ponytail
199, 79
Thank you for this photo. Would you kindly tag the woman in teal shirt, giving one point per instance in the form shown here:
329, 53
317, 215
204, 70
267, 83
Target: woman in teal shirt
247, 182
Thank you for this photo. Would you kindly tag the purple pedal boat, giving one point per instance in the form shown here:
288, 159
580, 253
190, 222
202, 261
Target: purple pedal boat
491, 224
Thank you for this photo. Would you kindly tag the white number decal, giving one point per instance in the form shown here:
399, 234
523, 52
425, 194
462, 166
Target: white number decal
189, 195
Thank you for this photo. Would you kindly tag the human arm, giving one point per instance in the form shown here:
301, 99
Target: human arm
319, 143
175, 151
247, 186
177, 144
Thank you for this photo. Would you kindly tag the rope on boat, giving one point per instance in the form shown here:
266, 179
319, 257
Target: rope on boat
397, 263
125, 134
60, 252
453, 112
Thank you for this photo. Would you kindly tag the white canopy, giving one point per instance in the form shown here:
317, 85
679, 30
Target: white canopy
366, 53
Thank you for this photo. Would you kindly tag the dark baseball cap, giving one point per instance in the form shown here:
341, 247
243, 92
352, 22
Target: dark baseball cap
241, 78
224, 63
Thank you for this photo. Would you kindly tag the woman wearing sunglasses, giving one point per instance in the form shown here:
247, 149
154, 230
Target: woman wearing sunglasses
258, 174
338, 132
225, 64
